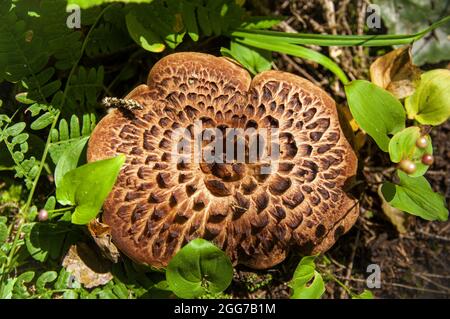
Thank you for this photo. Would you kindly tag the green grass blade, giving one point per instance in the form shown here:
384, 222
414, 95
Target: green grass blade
335, 40
300, 52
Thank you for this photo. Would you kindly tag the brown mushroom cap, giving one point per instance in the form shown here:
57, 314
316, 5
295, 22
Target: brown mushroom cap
157, 205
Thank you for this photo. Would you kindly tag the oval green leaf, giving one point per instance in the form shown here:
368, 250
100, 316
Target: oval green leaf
143, 36
44, 279
42, 121
198, 268
87, 187
254, 60
16, 129
3, 233
415, 196
375, 110
69, 159
403, 146
301, 283
430, 103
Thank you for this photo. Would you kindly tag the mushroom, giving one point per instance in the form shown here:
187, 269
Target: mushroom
158, 204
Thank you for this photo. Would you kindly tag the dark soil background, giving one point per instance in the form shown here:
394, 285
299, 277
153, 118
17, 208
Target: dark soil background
414, 264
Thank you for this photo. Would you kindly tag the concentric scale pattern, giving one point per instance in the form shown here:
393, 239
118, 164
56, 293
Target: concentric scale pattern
159, 204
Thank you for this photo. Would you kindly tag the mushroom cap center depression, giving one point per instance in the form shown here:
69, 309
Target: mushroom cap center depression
273, 183
226, 154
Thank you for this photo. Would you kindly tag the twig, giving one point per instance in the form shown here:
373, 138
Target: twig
433, 236
398, 285
350, 265
431, 281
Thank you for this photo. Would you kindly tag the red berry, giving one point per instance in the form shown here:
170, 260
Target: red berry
427, 159
422, 142
407, 166
43, 215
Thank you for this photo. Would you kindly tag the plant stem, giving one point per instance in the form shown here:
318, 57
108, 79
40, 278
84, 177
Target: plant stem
63, 100
340, 283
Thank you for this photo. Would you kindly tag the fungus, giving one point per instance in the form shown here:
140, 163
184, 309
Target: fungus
256, 216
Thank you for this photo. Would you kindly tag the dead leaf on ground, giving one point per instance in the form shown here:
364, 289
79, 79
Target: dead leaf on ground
101, 233
356, 137
395, 216
396, 72
87, 266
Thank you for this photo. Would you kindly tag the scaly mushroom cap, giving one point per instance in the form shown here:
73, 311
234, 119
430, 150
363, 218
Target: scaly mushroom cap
158, 205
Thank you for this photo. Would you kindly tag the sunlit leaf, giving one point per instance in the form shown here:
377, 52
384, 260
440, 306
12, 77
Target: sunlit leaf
415, 196
87, 187
84, 4
142, 35
198, 268
254, 60
430, 103
403, 146
307, 283
375, 110
69, 159
366, 294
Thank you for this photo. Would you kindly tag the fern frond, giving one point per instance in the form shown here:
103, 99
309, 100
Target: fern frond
24, 57
84, 87
106, 39
168, 21
69, 132
64, 43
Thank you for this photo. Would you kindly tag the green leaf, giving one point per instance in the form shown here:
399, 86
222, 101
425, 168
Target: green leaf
264, 22
301, 283
296, 50
415, 196
21, 138
87, 187
20, 291
69, 159
430, 103
190, 20
3, 233
334, 40
203, 21
44, 240
42, 121
23, 98
198, 268
254, 60
44, 279
50, 203
403, 146
16, 129
375, 110
85, 4
6, 290
143, 36
70, 294
366, 294
409, 16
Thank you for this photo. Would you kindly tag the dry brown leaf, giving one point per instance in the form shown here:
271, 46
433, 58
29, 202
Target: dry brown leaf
396, 72
395, 216
349, 127
101, 233
87, 266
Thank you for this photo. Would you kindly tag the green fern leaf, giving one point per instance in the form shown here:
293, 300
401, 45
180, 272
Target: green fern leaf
85, 86
63, 137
